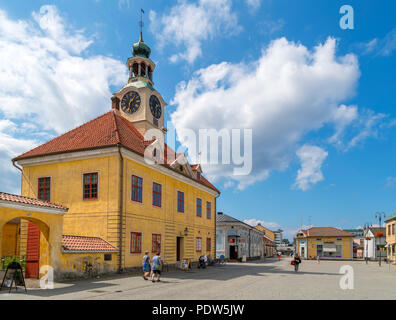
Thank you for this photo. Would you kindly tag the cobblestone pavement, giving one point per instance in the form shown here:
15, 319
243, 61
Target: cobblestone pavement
270, 279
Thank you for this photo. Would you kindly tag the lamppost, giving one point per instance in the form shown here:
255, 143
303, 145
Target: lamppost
379, 216
366, 229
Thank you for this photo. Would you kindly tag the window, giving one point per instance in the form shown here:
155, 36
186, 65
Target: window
198, 244
208, 210
389, 229
91, 186
157, 194
107, 257
199, 207
155, 243
208, 244
393, 228
180, 201
198, 175
137, 188
136, 242
319, 250
44, 188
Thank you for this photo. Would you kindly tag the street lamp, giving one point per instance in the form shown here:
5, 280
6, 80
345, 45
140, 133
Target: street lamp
366, 229
379, 216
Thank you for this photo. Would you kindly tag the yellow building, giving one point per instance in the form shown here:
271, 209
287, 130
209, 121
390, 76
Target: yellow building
270, 234
327, 242
390, 225
122, 184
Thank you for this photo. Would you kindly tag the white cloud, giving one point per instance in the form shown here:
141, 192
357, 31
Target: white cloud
255, 222
253, 4
288, 92
44, 79
189, 24
383, 47
48, 84
311, 158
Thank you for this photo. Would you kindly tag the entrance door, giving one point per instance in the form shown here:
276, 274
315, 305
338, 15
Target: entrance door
33, 251
178, 248
234, 252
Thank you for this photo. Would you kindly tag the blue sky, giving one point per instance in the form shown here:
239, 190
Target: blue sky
323, 147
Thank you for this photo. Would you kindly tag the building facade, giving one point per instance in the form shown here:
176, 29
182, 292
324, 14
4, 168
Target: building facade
326, 242
237, 240
122, 183
390, 227
278, 237
269, 245
358, 242
374, 243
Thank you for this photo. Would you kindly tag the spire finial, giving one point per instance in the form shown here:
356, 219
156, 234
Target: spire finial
141, 24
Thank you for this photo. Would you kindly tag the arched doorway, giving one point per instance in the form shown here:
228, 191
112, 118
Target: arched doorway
41, 222
25, 240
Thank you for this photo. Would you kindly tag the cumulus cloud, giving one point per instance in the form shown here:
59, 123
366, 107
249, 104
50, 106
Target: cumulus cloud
45, 79
255, 222
48, 83
288, 92
311, 158
189, 24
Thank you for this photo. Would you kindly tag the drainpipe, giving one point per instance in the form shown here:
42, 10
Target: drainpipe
19, 168
249, 242
121, 208
215, 235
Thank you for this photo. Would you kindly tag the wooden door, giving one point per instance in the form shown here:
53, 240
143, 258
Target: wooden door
33, 251
178, 245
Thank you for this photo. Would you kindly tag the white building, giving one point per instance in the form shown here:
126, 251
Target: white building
236, 239
371, 247
278, 237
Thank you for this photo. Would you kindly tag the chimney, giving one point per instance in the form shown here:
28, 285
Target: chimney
115, 103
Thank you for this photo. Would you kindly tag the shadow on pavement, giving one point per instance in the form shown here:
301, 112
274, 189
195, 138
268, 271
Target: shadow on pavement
219, 272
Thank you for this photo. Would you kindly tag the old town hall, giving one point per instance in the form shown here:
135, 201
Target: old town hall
111, 204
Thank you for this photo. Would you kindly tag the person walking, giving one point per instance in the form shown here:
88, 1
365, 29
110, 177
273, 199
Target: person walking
318, 258
296, 261
146, 266
156, 267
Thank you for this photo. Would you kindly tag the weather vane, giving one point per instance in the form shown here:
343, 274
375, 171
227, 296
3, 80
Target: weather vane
141, 24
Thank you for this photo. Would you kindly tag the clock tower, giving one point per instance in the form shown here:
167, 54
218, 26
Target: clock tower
138, 101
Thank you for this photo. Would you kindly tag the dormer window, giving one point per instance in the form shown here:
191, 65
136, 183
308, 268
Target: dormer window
198, 175
181, 168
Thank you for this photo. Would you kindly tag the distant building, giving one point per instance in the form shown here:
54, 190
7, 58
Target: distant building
269, 245
278, 237
358, 242
327, 242
236, 239
374, 240
391, 237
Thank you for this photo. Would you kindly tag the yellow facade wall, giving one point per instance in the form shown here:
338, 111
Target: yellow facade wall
87, 264
10, 240
101, 217
313, 242
391, 239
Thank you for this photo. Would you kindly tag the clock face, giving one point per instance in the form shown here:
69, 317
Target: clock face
155, 107
130, 102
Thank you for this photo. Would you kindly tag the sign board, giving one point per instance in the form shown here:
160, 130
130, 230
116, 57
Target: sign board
185, 264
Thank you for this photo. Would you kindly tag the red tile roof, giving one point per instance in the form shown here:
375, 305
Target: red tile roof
86, 244
30, 201
110, 129
326, 232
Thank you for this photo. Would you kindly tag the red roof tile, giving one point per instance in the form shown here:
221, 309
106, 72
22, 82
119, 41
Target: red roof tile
326, 232
86, 244
108, 130
30, 201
